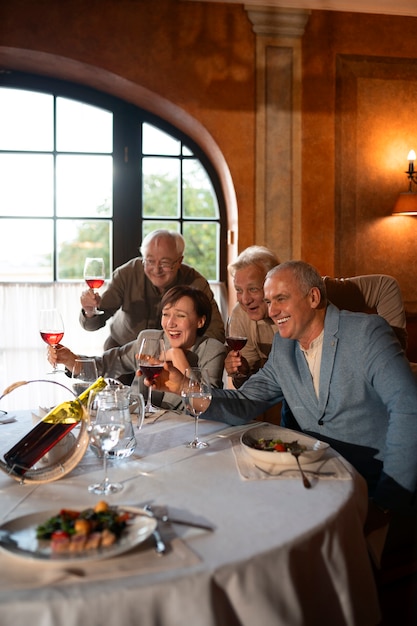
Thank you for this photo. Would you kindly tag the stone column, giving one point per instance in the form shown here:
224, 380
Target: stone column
278, 127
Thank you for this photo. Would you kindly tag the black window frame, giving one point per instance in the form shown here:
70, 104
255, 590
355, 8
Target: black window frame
127, 175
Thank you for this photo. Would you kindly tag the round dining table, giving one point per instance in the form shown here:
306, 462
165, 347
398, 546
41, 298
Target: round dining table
273, 553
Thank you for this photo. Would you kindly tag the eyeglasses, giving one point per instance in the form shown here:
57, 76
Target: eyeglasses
166, 266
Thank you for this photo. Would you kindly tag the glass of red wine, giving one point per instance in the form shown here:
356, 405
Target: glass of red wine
150, 361
94, 276
51, 328
235, 340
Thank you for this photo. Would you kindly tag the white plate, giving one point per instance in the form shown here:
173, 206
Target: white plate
315, 448
18, 537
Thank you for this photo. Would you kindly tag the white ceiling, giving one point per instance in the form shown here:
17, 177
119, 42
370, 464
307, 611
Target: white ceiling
387, 7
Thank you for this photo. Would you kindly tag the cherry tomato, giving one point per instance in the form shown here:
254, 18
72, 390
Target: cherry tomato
59, 534
280, 447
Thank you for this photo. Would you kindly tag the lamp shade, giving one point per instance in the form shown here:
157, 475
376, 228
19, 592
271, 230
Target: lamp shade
406, 204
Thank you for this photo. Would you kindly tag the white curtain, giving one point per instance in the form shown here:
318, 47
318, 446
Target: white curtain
22, 351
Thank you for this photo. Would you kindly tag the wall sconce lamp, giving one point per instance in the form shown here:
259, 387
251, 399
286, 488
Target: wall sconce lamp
406, 203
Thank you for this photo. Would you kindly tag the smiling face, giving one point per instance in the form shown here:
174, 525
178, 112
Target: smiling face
161, 262
180, 323
248, 283
294, 311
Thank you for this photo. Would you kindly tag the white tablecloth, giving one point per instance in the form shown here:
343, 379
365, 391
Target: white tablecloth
280, 554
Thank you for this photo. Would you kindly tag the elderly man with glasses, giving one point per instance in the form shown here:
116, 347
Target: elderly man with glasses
133, 295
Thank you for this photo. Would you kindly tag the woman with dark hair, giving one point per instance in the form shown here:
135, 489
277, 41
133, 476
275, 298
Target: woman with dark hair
185, 316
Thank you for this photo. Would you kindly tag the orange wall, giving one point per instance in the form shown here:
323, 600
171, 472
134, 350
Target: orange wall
359, 105
198, 56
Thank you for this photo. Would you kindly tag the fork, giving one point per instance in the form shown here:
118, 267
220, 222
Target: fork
290, 469
160, 547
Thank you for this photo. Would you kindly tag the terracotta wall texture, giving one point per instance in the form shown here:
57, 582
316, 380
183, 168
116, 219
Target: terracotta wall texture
359, 94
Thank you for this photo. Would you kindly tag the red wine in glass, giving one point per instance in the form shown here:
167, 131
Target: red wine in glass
94, 283
52, 339
151, 372
94, 275
51, 329
235, 341
150, 361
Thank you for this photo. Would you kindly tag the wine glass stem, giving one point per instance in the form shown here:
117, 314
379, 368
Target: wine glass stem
149, 402
196, 428
105, 479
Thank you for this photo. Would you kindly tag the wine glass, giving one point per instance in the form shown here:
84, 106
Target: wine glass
196, 393
235, 340
150, 361
105, 432
51, 328
94, 275
84, 373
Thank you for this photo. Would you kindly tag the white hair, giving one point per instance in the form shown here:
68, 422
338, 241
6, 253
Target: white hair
171, 235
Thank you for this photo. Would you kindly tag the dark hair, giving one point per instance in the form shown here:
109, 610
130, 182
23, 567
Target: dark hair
202, 304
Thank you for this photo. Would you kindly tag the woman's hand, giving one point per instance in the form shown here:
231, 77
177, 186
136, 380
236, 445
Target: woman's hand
177, 358
63, 355
170, 379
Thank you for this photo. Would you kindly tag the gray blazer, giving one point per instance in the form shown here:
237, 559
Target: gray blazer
367, 404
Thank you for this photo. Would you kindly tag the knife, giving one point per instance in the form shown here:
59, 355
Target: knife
183, 522
173, 520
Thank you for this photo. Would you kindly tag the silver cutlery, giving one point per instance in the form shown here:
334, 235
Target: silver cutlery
290, 469
296, 450
173, 520
160, 547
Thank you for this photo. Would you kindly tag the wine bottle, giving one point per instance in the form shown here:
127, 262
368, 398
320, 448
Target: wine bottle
51, 429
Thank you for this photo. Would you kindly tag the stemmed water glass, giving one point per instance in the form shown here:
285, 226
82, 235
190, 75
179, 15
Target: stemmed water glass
150, 361
94, 275
51, 328
105, 433
235, 340
196, 393
84, 374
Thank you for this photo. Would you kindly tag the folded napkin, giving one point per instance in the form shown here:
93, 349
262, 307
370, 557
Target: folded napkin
329, 463
18, 573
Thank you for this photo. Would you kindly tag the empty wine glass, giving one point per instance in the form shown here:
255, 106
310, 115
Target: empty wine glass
105, 433
150, 361
235, 340
196, 393
84, 373
94, 275
51, 328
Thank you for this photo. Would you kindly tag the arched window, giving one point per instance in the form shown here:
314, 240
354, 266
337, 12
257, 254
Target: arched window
86, 174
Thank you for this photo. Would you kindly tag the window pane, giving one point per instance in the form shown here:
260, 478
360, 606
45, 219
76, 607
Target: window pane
161, 184
84, 186
76, 240
151, 225
26, 250
155, 141
202, 247
199, 197
26, 120
82, 127
26, 184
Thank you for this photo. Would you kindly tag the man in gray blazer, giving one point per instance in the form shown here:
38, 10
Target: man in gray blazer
345, 378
